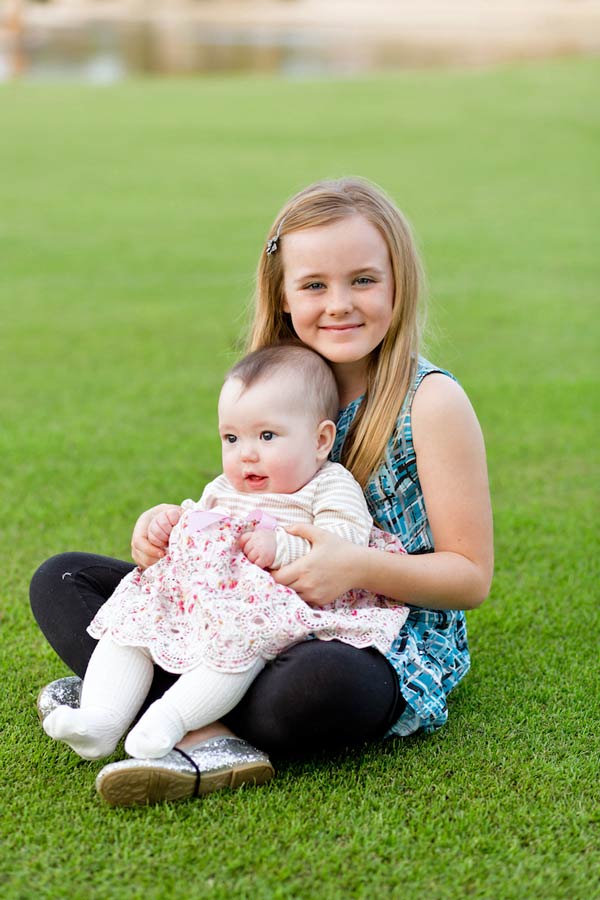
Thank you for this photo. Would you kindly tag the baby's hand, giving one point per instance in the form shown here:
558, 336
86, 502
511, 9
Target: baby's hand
143, 550
162, 525
259, 546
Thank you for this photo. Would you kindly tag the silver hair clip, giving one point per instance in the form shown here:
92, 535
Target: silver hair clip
273, 242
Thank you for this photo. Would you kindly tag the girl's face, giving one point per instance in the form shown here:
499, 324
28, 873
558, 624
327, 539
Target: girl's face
339, 291
270, 443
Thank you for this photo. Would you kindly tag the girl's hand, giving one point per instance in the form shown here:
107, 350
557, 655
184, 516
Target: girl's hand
259, 546
151, 533
327, 572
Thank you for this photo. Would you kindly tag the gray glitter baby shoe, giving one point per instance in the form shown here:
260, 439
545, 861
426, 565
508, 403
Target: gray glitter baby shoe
63, 692
213, 764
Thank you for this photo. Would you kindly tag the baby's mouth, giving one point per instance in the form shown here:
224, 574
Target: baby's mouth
253, 479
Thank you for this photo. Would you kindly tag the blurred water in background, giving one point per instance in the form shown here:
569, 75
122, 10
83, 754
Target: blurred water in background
104, 43
104, 52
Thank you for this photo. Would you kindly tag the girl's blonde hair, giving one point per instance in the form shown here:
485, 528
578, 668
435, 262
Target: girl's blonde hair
393, 363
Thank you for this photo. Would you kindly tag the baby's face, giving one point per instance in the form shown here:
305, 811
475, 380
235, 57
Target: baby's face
269, 444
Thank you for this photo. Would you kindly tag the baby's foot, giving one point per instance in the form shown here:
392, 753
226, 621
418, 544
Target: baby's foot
91, 733
156, 733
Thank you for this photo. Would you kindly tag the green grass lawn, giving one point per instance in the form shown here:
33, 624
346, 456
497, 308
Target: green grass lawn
131, 221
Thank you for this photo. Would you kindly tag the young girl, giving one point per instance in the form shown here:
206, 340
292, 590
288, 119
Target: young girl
206, 611
341, 273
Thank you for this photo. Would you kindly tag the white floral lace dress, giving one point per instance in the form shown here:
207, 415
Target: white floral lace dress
206, 602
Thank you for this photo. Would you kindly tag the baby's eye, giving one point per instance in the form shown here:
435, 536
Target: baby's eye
230, 438
267, 435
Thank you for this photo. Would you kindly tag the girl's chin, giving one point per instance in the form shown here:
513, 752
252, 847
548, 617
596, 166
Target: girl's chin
343, 359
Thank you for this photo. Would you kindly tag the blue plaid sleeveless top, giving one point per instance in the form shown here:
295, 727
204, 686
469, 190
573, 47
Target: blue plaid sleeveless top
430, 654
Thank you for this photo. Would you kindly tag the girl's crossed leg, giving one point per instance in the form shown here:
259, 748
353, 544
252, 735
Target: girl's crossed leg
316, 695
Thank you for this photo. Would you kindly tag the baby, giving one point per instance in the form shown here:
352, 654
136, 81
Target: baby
209, 610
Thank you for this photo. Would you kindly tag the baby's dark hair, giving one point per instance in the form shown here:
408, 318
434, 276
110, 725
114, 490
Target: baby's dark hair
317, 389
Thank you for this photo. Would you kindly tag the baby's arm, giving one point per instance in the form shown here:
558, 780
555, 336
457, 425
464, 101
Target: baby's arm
339, 507
453, 474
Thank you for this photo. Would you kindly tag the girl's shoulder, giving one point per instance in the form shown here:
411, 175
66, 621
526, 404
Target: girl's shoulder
426, 368
436, 391
428, 380
442, 413
435, 407
427, 375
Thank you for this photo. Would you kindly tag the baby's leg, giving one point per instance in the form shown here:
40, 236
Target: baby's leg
196, 699
115, 685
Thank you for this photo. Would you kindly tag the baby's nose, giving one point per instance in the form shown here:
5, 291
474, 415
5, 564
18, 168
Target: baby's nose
249, 452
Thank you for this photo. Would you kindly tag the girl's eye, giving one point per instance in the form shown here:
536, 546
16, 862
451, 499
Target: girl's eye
315, 286
364, 279
267, 435
230, 438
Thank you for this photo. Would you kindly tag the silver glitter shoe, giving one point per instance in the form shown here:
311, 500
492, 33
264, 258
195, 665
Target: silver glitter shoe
219, 762
64, 692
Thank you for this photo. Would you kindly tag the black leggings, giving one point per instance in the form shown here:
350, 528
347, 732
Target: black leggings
315, 696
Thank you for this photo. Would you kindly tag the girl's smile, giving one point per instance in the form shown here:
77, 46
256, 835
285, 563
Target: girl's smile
340, 328
339, 291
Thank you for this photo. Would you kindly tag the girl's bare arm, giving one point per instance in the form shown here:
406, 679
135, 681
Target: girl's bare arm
453, 474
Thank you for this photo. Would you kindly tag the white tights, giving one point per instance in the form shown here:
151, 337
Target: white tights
115, 686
